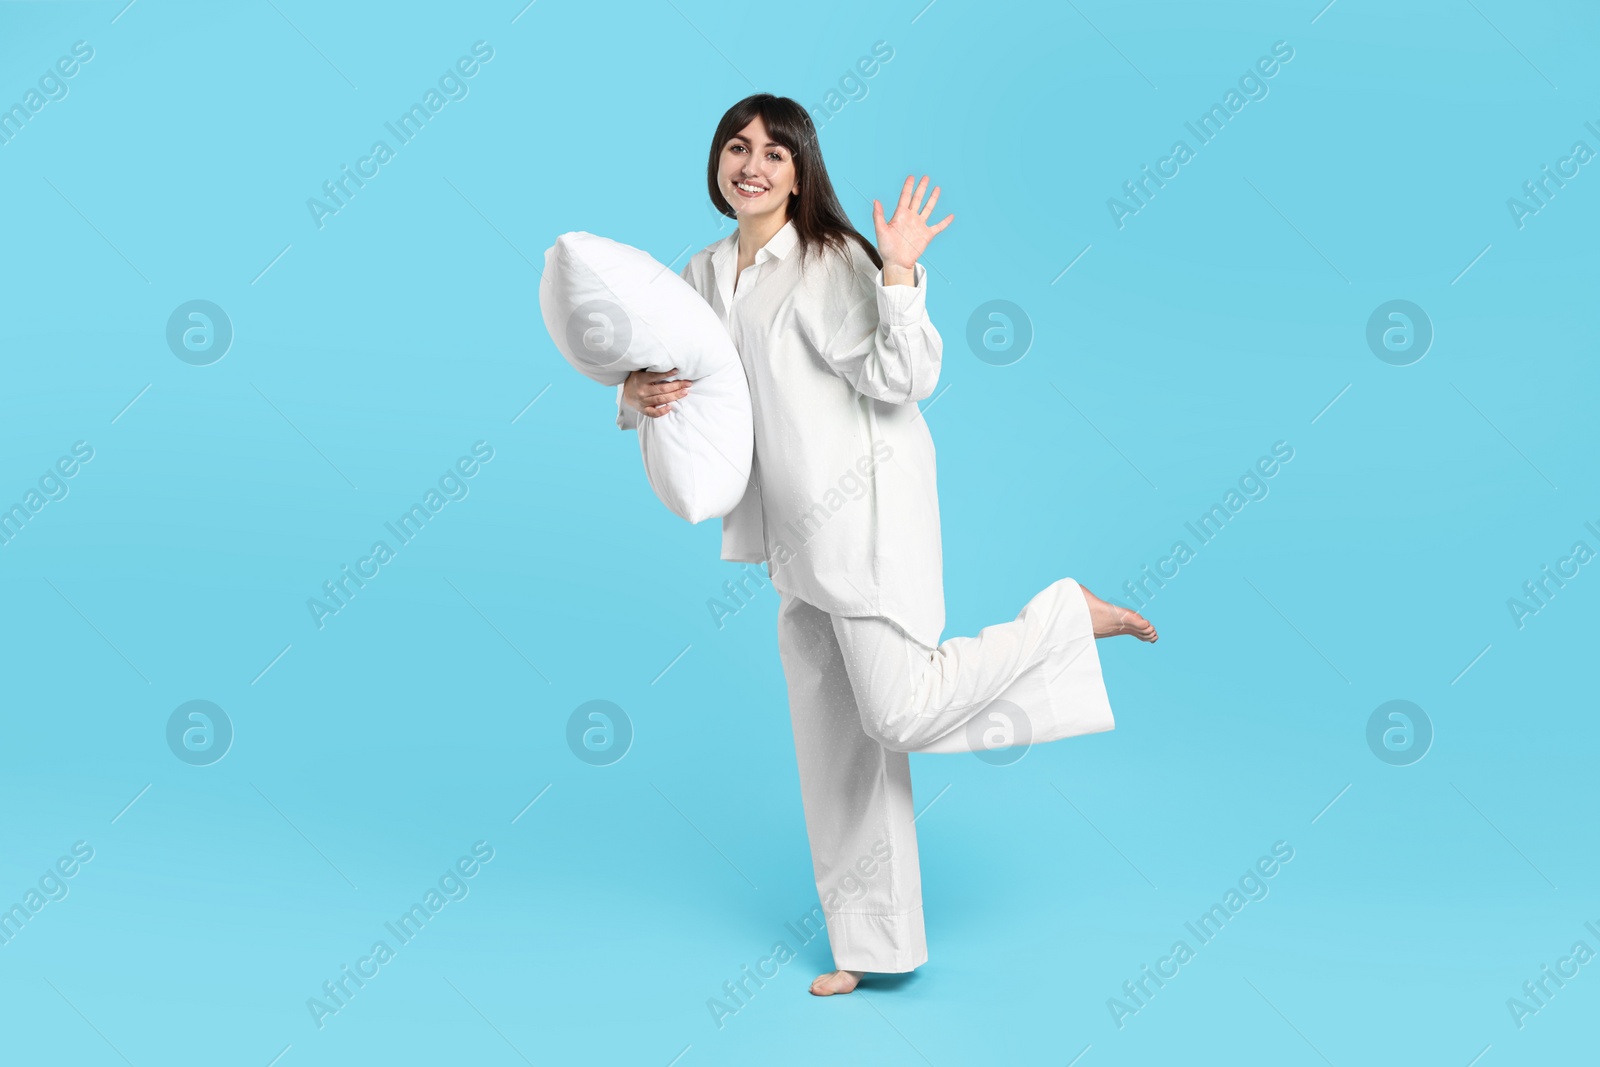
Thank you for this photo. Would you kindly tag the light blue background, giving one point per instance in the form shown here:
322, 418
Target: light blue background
369, 354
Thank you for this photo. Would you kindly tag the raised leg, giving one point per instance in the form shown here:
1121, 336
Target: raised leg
1035, 678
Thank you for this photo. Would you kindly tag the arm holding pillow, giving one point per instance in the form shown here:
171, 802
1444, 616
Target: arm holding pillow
650, 392
877, 337
630, 403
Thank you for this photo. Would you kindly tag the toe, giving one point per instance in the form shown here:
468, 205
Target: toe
835, 982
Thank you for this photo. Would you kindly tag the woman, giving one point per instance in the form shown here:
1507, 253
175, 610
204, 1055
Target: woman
842, 506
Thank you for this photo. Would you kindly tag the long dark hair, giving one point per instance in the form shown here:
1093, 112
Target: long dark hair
818, 219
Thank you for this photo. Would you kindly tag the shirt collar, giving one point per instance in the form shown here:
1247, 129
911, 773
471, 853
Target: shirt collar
778, 246
780, 243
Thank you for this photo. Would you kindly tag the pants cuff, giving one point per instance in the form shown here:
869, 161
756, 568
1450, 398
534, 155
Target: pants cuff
885, 944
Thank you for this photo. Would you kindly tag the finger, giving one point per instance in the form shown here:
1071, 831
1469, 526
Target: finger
928, 207
661, 376
905, 194
916, 199
947, 220
877, 211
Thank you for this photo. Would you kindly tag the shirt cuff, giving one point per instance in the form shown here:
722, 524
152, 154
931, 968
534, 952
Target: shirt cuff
627, 418
901, 304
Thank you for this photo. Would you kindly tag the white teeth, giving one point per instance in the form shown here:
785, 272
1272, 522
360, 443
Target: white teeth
750, 188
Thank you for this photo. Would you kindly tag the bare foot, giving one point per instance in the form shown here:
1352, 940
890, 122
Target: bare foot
833, 982
1109, 620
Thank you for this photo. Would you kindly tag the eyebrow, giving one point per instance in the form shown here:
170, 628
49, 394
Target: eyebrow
769, 144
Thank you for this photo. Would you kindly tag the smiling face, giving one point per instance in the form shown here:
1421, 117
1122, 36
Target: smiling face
756, 175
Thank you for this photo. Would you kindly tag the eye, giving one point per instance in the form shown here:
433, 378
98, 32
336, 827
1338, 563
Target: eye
777, 157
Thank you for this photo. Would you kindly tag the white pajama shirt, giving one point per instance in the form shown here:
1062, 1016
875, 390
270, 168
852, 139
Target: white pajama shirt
842, 502
842, 505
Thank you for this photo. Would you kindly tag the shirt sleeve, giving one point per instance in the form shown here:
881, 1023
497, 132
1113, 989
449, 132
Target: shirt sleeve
879, 337
628, 418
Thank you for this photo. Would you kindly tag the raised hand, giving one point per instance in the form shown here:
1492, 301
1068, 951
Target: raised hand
905, 236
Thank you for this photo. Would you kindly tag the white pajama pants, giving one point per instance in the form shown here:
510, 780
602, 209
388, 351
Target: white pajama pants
863, 694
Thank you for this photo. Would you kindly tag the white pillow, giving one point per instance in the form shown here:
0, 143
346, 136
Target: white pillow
611, 309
